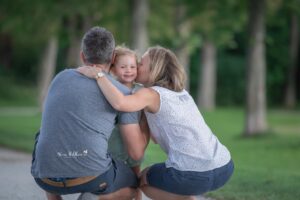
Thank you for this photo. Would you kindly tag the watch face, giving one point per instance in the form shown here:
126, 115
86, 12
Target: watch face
100, 74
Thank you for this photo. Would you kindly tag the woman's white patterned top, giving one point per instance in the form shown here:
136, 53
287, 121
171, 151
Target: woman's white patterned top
180, 130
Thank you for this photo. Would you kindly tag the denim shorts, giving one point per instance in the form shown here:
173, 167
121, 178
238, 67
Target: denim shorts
118, 176
188, 182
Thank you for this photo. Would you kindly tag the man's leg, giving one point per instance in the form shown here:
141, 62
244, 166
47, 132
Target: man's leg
51, 196
125, 182
122, 194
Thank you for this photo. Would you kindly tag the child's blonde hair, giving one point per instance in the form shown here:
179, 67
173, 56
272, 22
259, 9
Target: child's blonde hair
165, 69
124, 51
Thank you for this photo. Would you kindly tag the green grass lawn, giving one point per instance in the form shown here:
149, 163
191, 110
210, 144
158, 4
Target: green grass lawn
17, 128
15, 93
266, 167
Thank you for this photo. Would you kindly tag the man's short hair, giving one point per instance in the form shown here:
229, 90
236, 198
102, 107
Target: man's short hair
98, 45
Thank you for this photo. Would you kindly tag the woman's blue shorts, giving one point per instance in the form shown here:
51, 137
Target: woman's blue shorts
188, 182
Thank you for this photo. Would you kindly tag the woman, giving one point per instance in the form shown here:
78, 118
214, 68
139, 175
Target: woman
196, 161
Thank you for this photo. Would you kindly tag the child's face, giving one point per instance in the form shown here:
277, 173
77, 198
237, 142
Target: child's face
125, 68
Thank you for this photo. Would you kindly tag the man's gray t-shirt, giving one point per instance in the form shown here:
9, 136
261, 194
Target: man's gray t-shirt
76, 123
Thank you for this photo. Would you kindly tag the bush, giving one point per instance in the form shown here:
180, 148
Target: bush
15, 93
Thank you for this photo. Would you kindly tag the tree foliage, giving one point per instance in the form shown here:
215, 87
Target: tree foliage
26, 26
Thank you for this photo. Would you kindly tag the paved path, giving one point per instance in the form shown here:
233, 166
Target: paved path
20, 111
16, 181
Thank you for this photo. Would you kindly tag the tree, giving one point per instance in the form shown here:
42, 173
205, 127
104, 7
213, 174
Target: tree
47, 69
290, 94
182, 27
170, 26
203, 22
215, 22
74, 29
256, 70
139, 31
5, 50
207, 83
23, 22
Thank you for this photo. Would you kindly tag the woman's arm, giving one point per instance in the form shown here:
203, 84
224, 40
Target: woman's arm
144, 98
140, 100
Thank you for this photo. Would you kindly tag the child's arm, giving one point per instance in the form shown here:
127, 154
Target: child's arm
153, 139
145, 128
134, 139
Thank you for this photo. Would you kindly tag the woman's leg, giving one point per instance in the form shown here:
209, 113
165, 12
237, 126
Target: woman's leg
158, 194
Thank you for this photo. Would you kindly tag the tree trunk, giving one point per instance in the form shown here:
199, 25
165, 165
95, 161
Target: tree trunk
6, 50
74, 28
139, 30
183, 56
290, 95
47, 70
256, 71
73, 57
182, 28
207, 84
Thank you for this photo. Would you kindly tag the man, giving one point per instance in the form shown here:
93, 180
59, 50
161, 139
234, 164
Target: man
70, 153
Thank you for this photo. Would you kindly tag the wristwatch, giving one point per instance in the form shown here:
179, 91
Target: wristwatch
99, 75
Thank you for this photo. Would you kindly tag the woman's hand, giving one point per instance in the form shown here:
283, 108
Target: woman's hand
89, 71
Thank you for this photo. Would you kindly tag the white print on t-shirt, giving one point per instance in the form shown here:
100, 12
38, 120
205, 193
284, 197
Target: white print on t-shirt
73, 154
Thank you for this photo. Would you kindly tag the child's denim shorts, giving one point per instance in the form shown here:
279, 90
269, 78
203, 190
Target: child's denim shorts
188, 182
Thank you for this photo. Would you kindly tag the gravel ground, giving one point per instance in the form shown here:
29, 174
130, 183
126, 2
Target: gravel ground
16, 181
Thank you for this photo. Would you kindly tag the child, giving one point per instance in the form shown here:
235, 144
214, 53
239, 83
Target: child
196, 160
124, 69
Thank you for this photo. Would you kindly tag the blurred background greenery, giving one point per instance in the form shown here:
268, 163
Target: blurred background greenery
241, 57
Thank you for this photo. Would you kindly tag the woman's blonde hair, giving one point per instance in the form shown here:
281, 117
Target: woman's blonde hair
165, 69
124, 51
